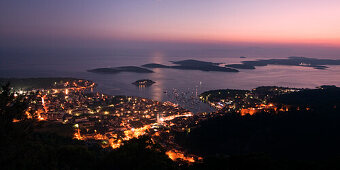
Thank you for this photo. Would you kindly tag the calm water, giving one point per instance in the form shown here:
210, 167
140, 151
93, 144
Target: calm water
179, 86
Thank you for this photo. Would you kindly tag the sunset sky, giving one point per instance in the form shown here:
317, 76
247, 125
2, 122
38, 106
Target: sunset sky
257, 21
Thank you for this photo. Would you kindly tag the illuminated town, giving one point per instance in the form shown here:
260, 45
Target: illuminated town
112, 120
247, 101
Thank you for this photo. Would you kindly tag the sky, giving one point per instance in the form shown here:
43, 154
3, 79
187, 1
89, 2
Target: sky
70, 22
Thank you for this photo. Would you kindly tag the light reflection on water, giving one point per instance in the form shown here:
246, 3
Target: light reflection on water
157, 90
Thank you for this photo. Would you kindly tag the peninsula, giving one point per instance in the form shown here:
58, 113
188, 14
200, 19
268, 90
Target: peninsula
44, 83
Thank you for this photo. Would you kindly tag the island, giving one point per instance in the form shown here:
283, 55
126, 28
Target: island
290, 61
192, 62
240, 66
155, 65
144, 82
114, 70
193, 65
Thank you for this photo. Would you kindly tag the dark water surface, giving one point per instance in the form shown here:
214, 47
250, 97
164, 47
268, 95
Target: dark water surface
178, 86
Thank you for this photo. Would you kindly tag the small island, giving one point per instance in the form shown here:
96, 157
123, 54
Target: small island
193, 65
144, 82
114, 70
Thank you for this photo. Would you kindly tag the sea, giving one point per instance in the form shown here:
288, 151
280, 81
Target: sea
178, 86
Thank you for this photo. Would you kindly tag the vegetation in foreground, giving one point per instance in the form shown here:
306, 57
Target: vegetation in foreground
297, 139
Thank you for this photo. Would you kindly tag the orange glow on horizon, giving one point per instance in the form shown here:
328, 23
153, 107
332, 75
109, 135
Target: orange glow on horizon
221, 38
247, 21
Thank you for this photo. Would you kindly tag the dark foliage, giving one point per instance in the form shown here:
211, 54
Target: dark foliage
326, 97
298, 139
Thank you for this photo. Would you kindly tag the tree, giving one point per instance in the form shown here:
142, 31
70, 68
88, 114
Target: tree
11, 107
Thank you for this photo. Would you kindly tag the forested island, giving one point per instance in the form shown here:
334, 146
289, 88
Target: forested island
114, 70
290, 61
240, 66
144, 82
210, 66
193, 65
